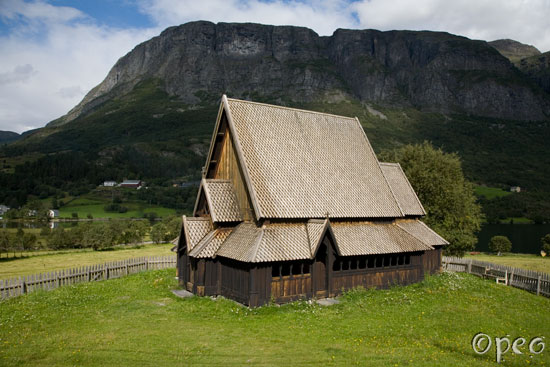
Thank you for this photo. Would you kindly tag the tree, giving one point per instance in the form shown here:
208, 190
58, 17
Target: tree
500, 244
158, 232
447, 197
546, 243
5, 241
29, 241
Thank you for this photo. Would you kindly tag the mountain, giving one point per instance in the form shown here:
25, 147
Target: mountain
153, 115
8, 136
538, 69
514, 50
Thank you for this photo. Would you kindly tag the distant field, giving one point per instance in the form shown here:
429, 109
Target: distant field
85, 206
524, 261
137, 321
491, 192
74, 258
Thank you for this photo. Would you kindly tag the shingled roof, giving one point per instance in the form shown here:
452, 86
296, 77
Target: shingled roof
304, 164
302, 175
402, 189
248, 242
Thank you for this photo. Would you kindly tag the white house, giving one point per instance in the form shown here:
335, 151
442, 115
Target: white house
109, 183
53, 213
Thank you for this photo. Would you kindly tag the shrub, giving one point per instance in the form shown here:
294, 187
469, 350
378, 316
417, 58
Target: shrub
546, 243
500, 244
74, 215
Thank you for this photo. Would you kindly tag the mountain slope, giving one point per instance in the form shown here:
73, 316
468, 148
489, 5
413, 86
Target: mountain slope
8, 136
538, 69
153, 115
431, 71
514, 50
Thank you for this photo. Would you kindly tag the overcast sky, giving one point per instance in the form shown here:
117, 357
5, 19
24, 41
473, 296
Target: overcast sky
53, 52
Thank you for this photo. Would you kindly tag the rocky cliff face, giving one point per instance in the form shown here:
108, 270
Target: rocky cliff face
538, 69
430, 71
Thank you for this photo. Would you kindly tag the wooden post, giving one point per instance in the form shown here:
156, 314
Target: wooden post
506, 278
57, 280
147, 264
107, 272
538, 285
89, 275
470, 266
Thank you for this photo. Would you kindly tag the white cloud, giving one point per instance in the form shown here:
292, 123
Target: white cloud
52, 59
525, 21
322, 16
21, 73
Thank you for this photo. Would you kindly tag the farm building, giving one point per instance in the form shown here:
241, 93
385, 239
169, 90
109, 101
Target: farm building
131, 183
294, 204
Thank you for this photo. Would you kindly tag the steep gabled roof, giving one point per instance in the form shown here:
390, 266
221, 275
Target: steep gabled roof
195, 228
402, 189
303, 164
221, 200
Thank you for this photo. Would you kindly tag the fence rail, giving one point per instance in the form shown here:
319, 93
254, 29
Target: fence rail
529, 280
21, 285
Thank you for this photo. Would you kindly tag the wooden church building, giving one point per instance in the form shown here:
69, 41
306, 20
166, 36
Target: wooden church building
294, 204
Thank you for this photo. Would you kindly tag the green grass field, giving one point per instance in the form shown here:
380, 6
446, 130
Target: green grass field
137, 321
13, 267
490, 192
525, 261
85, 206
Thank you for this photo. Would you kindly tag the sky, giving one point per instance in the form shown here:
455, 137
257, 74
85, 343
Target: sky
52, 52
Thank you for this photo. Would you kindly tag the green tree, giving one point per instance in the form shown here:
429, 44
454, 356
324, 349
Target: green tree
99, 237
500, 244
29, 241
546, 243
5, 241
59, 239
158, 232
447, 197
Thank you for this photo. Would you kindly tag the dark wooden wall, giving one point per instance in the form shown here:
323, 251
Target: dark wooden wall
432, 261
327, 275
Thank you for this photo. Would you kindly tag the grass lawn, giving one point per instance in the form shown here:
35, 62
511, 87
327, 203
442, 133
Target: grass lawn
13, 267
491, 192
525, 261
137, 321
135, 210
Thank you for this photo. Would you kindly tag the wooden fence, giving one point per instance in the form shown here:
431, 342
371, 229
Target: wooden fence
529, 280
21, 285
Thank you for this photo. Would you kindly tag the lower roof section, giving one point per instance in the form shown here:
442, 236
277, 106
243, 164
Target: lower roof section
299, 241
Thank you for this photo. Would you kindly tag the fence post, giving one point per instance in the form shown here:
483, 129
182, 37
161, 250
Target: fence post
538, 285
147, 263
511, 278
107, 272
470, 266
57, 280
89, 275
126, 267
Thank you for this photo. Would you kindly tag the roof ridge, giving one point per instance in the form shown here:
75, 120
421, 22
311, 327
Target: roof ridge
290, 108
388, 163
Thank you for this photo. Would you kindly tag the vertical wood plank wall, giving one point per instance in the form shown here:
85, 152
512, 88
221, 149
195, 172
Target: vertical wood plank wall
228, 169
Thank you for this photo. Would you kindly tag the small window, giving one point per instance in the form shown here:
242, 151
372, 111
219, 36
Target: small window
407, 259
401, 259
386, 261
379, 261
362, 263
394, 260
285, 270
296, 269
306, 269
371, 262
275, 271
353, 265
336, 265
345, 265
